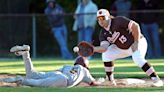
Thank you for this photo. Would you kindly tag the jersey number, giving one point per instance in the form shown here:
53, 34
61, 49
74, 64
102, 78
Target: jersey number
73, 70
122, 39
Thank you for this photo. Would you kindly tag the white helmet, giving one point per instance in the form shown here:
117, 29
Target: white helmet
103, 12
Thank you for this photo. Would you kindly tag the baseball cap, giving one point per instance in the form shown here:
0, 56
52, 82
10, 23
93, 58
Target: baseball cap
103, 14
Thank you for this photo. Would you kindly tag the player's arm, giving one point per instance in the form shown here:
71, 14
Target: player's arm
131, 25
89, 79
103, 43
135, 29
102, 48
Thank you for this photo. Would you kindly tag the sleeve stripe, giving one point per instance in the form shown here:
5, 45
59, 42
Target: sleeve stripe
130, 24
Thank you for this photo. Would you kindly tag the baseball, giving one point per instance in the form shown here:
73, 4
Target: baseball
76, 49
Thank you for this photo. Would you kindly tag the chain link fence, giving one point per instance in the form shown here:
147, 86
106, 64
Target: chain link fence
34, 30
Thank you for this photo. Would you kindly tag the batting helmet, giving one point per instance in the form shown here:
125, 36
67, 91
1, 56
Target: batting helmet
83, 61
103, 13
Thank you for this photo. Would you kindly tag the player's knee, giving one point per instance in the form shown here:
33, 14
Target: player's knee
140, 61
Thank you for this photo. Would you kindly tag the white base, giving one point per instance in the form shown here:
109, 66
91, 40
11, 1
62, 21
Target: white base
131, 81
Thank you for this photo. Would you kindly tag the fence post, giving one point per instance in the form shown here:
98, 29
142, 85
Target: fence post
34, 36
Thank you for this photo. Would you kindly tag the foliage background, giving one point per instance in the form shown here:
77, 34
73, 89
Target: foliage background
11, 27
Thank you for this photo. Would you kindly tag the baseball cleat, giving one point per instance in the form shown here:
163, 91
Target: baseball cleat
20, 48
158, 83
12, 79
19, 53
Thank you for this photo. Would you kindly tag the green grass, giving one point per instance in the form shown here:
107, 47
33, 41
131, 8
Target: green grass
81, 89
123, 69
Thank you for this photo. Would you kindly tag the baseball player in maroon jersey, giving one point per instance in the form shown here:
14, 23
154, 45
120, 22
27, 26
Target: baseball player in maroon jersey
121, 37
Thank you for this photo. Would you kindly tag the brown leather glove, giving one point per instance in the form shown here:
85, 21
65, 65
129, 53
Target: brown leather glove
85, 49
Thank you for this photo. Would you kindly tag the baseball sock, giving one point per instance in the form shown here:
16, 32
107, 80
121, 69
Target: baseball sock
109, 68
149, 70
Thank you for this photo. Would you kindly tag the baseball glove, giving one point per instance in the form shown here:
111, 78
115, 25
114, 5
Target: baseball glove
85, 49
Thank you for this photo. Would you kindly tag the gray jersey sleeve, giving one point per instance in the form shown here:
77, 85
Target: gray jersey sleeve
87, 77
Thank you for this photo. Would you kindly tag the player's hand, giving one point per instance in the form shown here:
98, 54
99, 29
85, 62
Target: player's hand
94, 83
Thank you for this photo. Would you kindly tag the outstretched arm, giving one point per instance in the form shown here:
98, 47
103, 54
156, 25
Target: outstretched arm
89, 79
102, 48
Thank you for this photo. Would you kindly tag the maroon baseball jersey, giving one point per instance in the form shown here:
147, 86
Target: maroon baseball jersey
118, 33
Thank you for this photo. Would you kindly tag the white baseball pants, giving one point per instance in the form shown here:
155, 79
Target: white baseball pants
42, 79
113, 53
